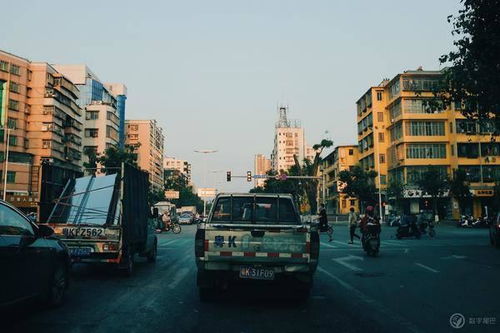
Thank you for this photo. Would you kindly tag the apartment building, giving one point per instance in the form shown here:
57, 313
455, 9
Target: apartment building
39, 108
104, 108
401, 135
261, 166
341, 158
289, 140
149, 141
173, 164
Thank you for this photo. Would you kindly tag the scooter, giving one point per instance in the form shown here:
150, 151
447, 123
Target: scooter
422, 227
482, 222
371, 239
408, 230
465, 221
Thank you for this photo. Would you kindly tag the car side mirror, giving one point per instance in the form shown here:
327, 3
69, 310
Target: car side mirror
26, 240
45, 231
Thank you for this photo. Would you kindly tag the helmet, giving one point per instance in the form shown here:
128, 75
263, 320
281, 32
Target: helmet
369, 210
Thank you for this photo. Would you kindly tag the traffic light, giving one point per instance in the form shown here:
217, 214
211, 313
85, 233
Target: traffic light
249, 176
228, 176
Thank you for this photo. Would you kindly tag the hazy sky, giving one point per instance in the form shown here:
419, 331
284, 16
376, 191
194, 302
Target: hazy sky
213, 72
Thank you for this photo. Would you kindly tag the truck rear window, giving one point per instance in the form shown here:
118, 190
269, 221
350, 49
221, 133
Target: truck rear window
262, 210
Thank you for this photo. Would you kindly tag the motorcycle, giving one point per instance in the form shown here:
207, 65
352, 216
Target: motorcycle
408, 228
482, 222
175, 227
422, 227
465, 221
371, 239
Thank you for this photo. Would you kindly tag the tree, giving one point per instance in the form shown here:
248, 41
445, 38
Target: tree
311, 168
155, 196
176, 181
459, 188
358, 183
395, 193
473, 77
113, 157
433, 183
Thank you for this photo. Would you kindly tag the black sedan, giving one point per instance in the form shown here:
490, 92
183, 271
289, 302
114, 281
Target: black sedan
33, 264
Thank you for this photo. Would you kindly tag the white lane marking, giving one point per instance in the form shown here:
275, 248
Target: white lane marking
377, 306
454, 257
342, 261
430, 269
344, 244
181, 274
329, 245
392, 242
407, 250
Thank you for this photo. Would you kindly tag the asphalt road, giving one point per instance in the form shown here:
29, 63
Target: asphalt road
413, 286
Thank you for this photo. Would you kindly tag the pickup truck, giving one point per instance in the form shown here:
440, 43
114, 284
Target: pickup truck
255, 237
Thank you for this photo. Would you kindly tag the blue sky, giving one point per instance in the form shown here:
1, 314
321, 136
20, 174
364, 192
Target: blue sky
213, 72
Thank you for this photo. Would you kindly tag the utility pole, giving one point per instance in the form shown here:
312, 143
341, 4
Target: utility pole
6, 168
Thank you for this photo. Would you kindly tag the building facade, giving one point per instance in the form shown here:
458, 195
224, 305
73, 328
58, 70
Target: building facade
103, 104
401, 136
44, 127
183, 167
289, 140
261, 166
148, 139
341, 158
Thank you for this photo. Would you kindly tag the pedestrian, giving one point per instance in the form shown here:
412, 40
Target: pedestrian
353, 221
323, 222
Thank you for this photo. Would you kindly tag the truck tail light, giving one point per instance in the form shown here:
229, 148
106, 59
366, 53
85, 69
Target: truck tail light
200, 245
110, 247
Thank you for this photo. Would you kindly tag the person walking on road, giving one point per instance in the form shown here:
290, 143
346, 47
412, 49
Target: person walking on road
323, 222
353, 221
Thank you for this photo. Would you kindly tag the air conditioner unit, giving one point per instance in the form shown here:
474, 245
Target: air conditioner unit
45, 128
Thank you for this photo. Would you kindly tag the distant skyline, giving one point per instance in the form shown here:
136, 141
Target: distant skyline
213, 73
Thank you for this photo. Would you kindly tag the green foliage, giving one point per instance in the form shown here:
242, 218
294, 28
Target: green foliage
459, 187
473, 77
395, 192
175, 181
360, 184
155, 196
112, 158
433, 183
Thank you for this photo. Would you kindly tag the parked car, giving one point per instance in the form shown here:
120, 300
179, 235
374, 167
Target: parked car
34, 263
186, 218
495, 231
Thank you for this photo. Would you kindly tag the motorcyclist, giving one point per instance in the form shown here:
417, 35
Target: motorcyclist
367, 221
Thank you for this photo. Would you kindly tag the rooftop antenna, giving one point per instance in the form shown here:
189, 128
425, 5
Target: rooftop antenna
283, 119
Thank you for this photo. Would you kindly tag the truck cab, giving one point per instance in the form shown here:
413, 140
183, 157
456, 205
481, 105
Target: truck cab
255, 237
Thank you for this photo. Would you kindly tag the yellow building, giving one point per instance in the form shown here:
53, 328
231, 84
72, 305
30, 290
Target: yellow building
341, 158
409, 136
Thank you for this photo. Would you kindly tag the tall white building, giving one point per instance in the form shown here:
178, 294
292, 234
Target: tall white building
289, 140
101, 116
184, 167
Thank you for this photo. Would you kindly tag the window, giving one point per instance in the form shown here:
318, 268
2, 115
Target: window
11, 177
396, 132
466, 126
133, 127
415, 173
381, 158
395, 110
92, 115
13, 223
352, 202
394, 89
46, 144
91, 132
490, 149
14, 87
421, 106
425, 128
12, 140
418, 84
4, 66
468, 150
380, 116
381, 137
379, 95
13, 105
426, 150
351, 151
12, 123
111, 132
14, 69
